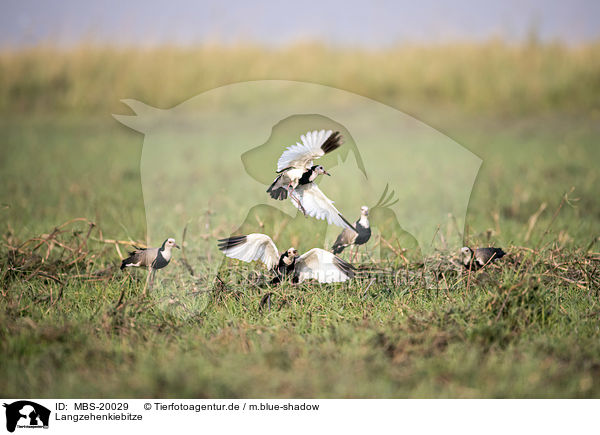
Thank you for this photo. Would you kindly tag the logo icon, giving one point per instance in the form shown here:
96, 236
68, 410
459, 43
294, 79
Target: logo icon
26, 414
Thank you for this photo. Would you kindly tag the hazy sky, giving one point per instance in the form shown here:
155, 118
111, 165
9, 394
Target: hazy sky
374, 23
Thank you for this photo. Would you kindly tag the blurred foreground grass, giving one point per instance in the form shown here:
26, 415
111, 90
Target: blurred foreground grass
529, 329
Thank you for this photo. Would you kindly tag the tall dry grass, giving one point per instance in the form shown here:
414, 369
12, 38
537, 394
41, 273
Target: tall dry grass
478, 76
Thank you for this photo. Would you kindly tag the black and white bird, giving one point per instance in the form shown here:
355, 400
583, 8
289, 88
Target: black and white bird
359, 237
152, 258
297, 173
474, 260
316, 264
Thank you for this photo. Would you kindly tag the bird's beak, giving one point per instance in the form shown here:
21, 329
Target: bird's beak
327, 173
177, 246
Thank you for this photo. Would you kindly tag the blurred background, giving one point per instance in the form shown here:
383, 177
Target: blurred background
375, 24
516, 83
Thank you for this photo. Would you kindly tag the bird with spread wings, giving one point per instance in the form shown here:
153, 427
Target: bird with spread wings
297, 173
316, 264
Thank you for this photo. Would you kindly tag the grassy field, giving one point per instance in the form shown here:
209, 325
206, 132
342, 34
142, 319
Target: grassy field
496, 76
72, 325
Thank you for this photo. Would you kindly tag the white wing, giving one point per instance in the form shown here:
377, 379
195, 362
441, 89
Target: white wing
309, 148
323, 266
250, 248
317, 205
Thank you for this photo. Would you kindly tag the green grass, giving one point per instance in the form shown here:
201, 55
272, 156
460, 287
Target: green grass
75, 326
504, 336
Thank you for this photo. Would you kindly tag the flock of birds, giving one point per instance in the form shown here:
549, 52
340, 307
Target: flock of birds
296, 176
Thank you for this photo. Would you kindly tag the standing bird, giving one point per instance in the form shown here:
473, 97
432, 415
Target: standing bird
315, 264
358, 237
152, 258
474, 260
297, 174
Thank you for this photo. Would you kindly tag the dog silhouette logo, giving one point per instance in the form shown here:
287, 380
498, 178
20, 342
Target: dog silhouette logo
191, 170
207, 163
26, 414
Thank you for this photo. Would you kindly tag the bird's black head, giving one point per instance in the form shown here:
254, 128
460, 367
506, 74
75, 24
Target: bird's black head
289, 256
318, 169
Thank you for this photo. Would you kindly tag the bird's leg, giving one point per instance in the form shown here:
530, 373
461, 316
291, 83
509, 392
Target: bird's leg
147, 281
293, 197
359, 256
367, 253
151, 276
300, 206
